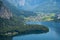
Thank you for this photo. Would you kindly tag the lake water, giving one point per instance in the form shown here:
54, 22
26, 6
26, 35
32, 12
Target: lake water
53, 34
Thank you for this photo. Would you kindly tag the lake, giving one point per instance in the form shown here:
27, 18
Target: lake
53, 34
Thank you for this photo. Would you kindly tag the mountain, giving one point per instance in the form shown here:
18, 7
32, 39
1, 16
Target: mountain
37, 5
48, 7
4, 11
12, 22
18, 11
7, 19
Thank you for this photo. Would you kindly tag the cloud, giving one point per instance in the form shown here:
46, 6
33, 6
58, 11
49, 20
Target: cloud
21, 2
17, 2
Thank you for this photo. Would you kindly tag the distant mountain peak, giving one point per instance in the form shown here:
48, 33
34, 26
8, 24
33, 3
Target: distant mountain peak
48, 6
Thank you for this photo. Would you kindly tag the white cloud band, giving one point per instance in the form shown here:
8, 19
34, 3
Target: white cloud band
21, 2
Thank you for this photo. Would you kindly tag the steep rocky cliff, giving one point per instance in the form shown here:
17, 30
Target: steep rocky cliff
4, 11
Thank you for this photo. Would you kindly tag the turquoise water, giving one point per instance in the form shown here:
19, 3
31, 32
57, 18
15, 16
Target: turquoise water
53, 34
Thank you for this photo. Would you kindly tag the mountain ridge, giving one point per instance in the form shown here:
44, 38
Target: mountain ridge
4, 11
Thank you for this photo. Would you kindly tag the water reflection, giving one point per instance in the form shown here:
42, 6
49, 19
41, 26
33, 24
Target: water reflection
5, 38
53, 34
53, 26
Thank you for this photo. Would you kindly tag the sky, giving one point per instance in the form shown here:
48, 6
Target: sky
23, 2
30, 4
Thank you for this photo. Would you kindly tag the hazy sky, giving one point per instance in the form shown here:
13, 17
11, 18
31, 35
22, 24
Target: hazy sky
30, 4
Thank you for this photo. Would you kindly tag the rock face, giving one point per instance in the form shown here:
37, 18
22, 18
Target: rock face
4, 11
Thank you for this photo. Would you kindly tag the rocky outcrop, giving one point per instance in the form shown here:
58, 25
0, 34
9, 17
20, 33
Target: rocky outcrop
4, 11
